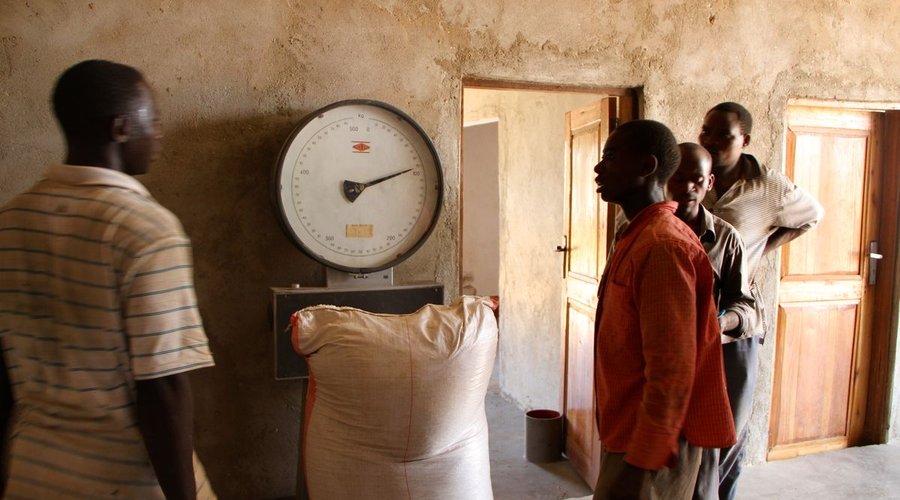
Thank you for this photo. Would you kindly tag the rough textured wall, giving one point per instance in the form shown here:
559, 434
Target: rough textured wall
531, 168
233, 77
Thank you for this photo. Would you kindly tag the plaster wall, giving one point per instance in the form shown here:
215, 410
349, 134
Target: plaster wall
232, 78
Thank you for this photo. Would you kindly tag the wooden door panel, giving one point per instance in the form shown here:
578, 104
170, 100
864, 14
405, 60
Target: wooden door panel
583, 241
823, 288
834, 246
587, 225
582, 445
816, 350
825, 313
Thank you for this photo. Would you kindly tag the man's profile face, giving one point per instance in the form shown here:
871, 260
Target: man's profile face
721, 135
689, 184
618, 170
144, 133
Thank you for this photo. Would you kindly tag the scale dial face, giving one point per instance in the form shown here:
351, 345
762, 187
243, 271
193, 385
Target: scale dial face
358, 186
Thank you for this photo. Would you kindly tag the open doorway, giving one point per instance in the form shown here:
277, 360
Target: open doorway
532, 149
528, 209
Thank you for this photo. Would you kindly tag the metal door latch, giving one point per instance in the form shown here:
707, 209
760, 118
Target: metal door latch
874, 257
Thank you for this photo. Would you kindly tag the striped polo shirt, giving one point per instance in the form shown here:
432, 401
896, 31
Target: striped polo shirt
96, 292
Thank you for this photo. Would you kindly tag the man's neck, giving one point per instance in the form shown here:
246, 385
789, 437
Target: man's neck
102, 157
727, 175
635, 204
693, 220
690, 217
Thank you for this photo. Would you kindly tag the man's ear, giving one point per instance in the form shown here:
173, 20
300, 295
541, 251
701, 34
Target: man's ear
712, 180
746, 140
120, 128
649, 166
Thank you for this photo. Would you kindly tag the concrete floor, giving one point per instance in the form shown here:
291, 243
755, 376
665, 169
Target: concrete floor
513, 477
871, 472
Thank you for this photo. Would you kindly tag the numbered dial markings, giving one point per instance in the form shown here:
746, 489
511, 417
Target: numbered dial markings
359, 186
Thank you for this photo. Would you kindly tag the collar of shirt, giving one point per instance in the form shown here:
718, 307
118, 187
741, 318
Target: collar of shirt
638, 220
751, 168
707, 226
79, 175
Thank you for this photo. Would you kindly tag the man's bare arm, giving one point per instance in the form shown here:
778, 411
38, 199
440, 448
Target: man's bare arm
6, 408
165, 417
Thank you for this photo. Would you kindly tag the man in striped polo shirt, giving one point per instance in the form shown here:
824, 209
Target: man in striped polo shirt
98, 315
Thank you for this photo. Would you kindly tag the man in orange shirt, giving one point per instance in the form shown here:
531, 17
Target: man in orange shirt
659, 382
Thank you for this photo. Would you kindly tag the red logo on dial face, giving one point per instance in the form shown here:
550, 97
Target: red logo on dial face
360, 147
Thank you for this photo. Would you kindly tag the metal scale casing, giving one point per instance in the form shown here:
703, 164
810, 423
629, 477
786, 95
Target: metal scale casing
358, 187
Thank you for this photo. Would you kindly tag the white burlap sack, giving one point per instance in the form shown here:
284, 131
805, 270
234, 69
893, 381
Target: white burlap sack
395, 408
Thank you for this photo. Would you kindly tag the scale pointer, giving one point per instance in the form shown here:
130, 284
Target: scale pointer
352, 189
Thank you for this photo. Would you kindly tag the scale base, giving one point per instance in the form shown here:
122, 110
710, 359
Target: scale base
341, 279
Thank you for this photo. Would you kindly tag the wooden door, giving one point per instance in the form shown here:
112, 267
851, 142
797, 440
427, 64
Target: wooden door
588, 223
825, 313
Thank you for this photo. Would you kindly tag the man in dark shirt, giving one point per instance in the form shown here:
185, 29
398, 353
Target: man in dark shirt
723, 245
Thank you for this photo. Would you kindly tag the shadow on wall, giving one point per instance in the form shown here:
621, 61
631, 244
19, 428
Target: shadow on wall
215, 177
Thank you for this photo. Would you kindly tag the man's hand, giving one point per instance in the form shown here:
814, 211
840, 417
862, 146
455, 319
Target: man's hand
729, 321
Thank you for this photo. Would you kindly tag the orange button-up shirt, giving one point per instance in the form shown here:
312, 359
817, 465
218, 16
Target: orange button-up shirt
658, 365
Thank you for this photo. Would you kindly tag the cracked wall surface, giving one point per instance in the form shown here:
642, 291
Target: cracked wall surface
233, 78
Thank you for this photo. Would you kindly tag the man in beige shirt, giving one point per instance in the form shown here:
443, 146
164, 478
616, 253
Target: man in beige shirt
768, 210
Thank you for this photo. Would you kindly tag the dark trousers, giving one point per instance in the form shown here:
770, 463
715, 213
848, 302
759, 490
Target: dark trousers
669, 483
741, 360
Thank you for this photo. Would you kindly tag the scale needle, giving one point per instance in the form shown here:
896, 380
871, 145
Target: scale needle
352, 189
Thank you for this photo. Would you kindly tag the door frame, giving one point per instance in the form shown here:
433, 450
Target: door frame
882, 359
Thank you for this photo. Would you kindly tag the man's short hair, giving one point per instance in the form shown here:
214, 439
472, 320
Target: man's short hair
691, 147
652, 137
744, 116
90, 92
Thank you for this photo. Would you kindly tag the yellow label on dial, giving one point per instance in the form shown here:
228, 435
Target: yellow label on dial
360, 230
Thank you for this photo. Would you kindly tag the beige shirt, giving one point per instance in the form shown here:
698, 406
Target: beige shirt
761, 202
725, 250
97, 292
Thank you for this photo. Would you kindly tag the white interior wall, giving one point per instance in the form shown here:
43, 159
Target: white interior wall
480, 196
